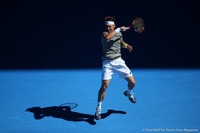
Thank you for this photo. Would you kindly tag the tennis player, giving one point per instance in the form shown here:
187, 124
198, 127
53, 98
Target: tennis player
112, 42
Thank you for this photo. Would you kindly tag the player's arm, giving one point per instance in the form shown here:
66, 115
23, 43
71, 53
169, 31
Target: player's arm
110, 35
125, 45
113, 33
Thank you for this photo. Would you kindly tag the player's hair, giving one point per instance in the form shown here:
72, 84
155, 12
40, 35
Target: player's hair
109, 18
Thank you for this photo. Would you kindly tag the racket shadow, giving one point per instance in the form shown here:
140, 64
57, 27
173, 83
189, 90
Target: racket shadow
67, 114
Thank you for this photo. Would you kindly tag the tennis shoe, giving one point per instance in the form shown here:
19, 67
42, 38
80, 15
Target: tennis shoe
130, 96
98, 114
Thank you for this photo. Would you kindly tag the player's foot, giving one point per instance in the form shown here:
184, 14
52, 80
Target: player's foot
98, 114
130, 97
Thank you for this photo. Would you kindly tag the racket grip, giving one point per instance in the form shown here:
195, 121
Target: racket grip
127, 28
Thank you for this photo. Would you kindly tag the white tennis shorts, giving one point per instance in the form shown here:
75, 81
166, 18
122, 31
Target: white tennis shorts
112, 66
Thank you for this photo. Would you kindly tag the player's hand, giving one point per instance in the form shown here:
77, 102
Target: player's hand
129, 47
123, 28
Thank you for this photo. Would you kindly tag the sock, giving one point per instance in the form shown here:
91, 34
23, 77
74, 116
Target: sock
129, 91
99, 105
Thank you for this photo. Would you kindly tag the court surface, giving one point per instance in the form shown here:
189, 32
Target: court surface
168, 100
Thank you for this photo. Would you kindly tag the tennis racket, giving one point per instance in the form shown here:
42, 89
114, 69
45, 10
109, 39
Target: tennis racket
71, 105
137, 25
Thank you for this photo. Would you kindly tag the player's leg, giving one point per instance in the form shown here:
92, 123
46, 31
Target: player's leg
106, 76
131, 85
101, 95
102, 91
124, 72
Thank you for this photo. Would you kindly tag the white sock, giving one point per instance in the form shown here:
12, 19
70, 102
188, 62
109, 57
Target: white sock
129, 91
99, 105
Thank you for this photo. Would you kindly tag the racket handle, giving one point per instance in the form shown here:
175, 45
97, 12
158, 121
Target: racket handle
127, 28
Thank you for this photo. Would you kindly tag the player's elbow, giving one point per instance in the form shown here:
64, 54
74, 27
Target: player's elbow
107, 37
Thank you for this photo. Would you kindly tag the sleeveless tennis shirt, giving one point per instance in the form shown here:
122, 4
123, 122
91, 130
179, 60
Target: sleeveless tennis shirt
111, 47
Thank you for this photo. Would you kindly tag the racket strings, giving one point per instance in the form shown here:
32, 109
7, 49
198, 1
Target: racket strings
138, 25
71, 105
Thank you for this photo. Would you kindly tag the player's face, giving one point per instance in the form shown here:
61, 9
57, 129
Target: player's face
110, 28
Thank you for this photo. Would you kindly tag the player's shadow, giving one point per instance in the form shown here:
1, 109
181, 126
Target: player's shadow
66, 113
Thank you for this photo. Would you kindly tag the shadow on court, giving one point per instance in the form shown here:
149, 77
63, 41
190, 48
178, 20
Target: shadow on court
65, 113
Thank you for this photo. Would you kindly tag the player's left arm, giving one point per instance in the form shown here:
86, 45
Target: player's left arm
125, 45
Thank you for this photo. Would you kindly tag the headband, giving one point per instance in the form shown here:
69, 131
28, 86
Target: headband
109, 23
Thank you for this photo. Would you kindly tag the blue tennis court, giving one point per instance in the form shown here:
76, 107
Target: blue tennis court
168, 100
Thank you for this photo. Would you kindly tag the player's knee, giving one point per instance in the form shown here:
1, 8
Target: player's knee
134, 82
104, 87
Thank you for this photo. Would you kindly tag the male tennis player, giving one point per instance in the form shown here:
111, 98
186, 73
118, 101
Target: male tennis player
112, 42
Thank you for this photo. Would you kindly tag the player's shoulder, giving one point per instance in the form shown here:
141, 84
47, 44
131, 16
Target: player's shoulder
105, 32
119, 34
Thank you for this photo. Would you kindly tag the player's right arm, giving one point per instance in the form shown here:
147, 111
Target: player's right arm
113, 33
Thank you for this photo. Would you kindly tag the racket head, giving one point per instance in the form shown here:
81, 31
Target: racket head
71, 105
138, 25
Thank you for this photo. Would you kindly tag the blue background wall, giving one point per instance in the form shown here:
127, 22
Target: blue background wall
66, 34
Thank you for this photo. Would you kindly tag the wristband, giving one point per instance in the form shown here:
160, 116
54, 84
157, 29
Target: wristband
117, 30
124, 44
